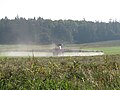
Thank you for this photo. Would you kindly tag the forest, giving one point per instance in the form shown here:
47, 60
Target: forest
46, 31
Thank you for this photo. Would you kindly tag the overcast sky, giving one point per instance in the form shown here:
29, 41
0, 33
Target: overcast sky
91, 10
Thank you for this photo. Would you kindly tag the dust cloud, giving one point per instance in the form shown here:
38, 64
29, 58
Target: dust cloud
48, 54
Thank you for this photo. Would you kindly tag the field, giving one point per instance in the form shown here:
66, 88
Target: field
108, 50
108, 47
62, 73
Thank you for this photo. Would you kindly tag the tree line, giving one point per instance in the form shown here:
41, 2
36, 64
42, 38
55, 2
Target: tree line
47, 31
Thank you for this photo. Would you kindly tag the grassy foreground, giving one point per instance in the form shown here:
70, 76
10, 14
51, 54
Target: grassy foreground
60, 73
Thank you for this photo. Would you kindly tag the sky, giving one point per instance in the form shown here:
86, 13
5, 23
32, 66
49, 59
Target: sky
91, 10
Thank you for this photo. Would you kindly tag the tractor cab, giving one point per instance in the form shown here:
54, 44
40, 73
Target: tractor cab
58, 50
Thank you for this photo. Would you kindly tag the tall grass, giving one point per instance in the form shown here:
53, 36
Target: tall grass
60, 73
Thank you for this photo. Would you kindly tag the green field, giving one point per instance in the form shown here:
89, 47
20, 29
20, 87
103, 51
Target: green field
109, 47
108, 50
60, 73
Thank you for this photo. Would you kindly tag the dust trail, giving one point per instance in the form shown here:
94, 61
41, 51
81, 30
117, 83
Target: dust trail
45, 54
44, 51
36, 54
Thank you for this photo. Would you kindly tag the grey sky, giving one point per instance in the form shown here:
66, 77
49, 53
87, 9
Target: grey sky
61, 9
